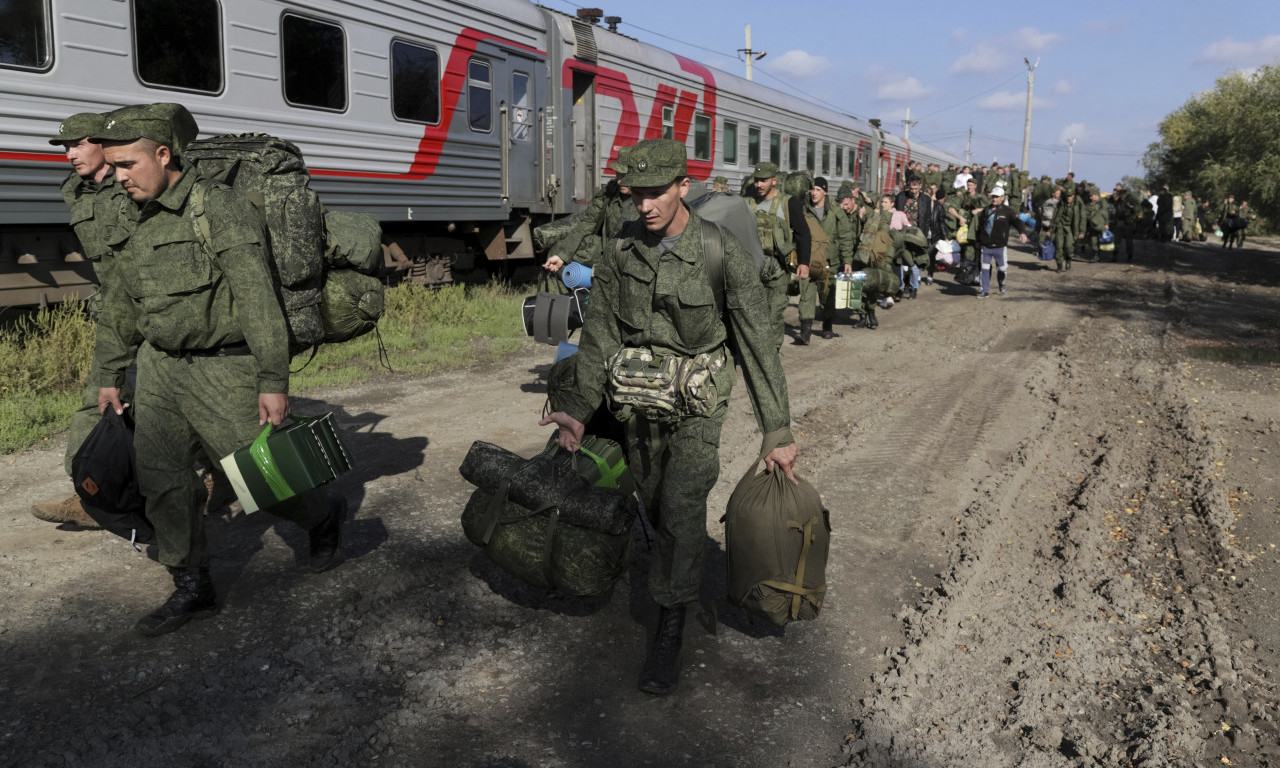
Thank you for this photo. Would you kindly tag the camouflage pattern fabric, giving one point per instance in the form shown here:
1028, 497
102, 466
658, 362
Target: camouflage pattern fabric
272, 174
353, 241
207, 401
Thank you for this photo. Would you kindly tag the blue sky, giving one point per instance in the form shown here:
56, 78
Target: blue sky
1108, 72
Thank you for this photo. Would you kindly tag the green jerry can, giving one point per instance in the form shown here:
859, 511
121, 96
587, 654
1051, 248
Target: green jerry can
285, 461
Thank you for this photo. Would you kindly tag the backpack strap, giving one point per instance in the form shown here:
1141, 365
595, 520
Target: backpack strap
199, 219
713, 256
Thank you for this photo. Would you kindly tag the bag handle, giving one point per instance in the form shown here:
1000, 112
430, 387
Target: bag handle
769, 444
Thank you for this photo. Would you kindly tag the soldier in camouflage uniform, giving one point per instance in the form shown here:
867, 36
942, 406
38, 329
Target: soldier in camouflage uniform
100, 216
839, 235
211, 344
780, 222
652, 295
580, 237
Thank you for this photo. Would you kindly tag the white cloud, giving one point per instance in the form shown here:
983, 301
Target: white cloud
1230, 53
800, 64
959, 34
996, 54
1074, 131
1062, 88
1031, 40
1010, 101
986, 58
903, 89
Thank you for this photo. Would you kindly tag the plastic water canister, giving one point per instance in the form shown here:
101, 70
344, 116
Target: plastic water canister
575, 275
859, 277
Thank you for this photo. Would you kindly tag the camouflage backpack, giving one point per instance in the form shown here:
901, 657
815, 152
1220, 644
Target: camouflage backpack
775, 237
273, 175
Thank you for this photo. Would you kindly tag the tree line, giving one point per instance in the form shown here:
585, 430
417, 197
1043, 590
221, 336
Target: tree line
1225, 141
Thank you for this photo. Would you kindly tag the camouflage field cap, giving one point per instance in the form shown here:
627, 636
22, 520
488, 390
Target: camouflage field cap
619, 165
765, 171
164, 123
720, 180
655, 163
78, 126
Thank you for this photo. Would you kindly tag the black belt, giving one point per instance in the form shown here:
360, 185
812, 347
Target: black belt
228, 350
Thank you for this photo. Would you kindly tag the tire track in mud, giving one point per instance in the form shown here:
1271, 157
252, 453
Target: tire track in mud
1077, 622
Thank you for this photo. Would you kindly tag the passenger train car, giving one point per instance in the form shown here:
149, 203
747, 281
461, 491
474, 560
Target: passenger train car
458, 124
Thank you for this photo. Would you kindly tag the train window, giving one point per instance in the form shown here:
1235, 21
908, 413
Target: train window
479, 96
24, 34
315, 63
775, 147
810, 149
826, 158
839, 161
668, 122
521, 107
753, 145
178, 44
701, 137
793, 153
730, 142
415, 83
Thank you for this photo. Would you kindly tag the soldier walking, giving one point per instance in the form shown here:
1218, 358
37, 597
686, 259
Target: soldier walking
653, 296
212, 348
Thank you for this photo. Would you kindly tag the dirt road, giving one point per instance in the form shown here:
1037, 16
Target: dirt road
1055, 544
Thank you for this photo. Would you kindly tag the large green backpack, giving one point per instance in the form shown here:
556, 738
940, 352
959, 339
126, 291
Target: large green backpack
271, 172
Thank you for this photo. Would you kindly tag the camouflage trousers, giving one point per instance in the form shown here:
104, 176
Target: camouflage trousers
181, 403
776, 282
675, 467
814, 294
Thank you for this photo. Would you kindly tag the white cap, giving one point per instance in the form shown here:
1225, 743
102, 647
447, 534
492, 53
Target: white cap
998, 191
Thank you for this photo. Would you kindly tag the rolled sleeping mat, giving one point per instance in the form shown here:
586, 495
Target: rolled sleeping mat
575, 275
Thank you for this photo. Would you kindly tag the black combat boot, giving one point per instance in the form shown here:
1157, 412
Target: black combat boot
872, 323
326, 538
827, 332
192, 598
806, 332
662, 666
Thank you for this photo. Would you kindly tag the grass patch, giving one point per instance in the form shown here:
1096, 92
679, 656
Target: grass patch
45, 356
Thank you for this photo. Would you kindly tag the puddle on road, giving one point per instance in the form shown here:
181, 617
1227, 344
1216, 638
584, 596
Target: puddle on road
1251, 356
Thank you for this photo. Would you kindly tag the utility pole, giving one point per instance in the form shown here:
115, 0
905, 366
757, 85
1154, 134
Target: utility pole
750, 54
1071, 151
968, 147
1026, 130
906, 125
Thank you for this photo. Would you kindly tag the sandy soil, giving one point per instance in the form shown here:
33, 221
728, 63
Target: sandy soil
1054, 544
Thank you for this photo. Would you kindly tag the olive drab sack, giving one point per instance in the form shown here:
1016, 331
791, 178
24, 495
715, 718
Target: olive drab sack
777, 537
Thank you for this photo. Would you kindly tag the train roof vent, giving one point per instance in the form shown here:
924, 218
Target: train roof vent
584, 41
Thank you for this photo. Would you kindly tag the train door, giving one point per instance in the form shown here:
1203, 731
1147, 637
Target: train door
520, 132
584, 136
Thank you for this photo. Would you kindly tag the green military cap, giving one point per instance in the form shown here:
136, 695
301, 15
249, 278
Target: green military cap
765, 171
78, 126
720, 180
655, 163
619, 164
164, 123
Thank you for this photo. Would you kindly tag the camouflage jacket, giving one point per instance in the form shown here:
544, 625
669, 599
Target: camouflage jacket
641, 297
839, 228
178, 296
102, 215
579, 237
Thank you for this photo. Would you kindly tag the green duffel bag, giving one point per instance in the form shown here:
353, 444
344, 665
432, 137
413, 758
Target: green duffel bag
557, 520
540, 549
776, 538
